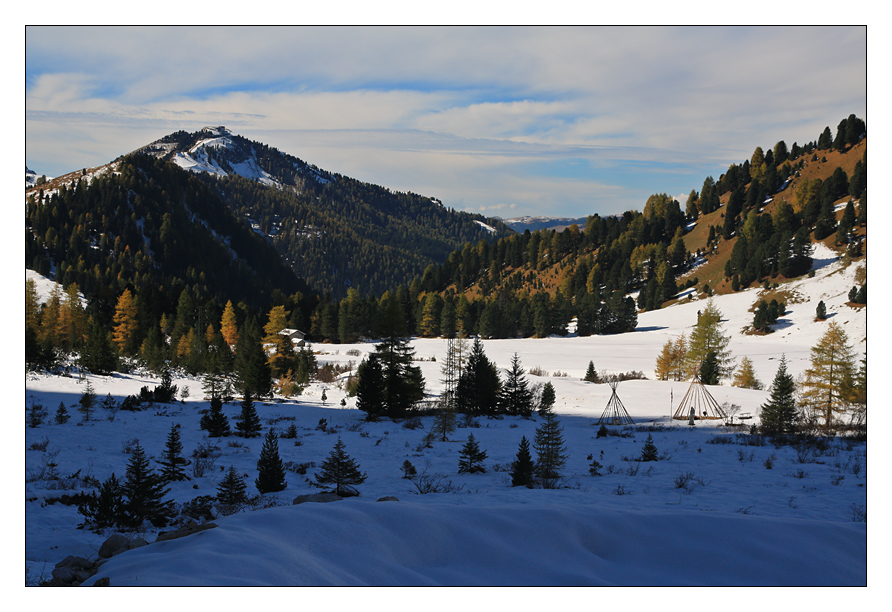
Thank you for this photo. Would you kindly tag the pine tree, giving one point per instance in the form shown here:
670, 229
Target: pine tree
826, 383
707, 336
62, 415
444, 422
547, 399
86, 401
821, 311
523, 468
172, 461
709, 369
745, 375
515, 396
144, 491
551, 454
778, 414
478, 387
471, 457
341, 471
98, 356
248, 424
270, 469
105, 506
232, 489
215, 422
649, 450
408, 469
591, 375
370, 388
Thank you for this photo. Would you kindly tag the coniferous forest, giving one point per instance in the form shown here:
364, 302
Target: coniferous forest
174, 275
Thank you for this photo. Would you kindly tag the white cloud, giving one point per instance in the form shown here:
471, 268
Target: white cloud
463, 113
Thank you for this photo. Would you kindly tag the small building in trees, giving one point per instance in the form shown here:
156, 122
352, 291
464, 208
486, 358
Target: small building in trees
295, 335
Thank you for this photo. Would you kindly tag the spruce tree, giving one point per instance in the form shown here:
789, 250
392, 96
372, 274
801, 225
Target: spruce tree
523, 468
248, 424
649, 450
232, 489
86, 401
478, 386
215, 422
550, 450
144, 491
172, 461
341, 471
547, 399
471, 457
515, 396
105, 506
370, 388
591, 375
709, 371
821, 311
270, 470
778, 414
62, 415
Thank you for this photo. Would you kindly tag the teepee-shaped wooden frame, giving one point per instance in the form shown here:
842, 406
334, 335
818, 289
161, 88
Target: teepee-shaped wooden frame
615, 413
701, 401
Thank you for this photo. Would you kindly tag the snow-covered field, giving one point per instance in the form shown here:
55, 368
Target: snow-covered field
737, 522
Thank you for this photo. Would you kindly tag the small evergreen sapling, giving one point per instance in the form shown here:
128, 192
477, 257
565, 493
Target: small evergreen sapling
215, 422
550, 450
821, 311
144, 491
62, 415
649, 450
88, 398
471, 457
341, 471
270, 469
523, 468
408, 469
248, 424
232, 489
105, 506
172, 461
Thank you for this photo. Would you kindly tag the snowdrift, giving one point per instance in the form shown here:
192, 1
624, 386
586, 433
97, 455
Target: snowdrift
362, 542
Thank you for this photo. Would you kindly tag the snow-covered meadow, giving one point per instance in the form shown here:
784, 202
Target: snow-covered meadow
712, 511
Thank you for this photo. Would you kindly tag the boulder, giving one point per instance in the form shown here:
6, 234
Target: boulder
63, 575
136, 543
75, 563
388, 498
103, 582
317, 498
115, 544
189, 529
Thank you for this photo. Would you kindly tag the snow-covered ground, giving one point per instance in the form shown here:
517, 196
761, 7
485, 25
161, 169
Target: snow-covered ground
738, 522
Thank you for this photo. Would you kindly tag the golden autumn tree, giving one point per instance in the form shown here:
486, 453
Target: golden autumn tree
826, 387
671, 361
745, 375
125, 322
229, 326
279, 347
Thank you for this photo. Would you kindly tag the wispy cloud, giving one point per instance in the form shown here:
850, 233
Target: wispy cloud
552, 120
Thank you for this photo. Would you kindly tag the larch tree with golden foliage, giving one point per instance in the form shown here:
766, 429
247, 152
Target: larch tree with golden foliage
125, 322
280, 349
671, 361
708, 335
826, 387
229, 325
745, 375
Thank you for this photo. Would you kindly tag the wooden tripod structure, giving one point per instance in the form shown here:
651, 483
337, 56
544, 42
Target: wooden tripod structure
615, 413
700, 400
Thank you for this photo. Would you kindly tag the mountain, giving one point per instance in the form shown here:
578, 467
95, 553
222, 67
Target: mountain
521, 224
334, 231
149, 225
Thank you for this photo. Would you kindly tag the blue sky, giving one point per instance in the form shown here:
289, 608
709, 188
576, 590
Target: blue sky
564, 121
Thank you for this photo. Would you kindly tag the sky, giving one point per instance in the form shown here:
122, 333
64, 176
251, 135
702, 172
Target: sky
505, 121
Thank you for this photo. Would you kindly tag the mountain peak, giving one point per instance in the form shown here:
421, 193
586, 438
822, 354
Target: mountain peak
216, 131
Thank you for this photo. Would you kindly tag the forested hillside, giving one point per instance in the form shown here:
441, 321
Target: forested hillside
334, 231
755, 225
